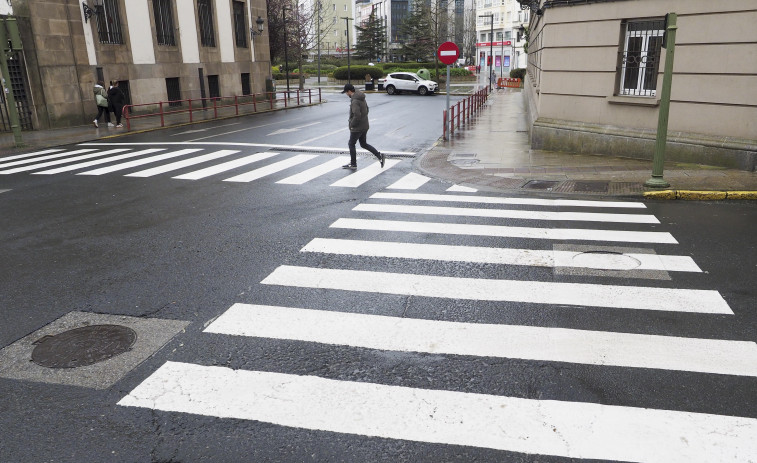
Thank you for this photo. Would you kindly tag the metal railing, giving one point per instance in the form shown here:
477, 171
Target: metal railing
461, 112
191, 109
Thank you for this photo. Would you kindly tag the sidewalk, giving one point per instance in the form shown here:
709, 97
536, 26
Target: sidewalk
492, 152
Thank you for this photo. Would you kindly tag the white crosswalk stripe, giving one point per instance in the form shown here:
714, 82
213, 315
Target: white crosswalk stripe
315, 172
365, 174
226, 166
271, 169
139, 162
5, 159
84, 165
563, 427
411, 181
181, 164
62, 161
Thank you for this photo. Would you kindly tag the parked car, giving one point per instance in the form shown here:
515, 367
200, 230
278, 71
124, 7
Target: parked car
398, 82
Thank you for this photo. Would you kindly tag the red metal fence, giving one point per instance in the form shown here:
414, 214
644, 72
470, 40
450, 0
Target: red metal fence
177, 110
461, 112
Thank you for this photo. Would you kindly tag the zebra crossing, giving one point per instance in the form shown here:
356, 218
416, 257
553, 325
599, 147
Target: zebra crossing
177, 162
562, 428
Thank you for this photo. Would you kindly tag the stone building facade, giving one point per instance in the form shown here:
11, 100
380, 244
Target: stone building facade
159, 50
595, 74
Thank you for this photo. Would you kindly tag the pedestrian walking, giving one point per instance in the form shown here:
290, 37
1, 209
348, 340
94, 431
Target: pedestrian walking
358, 124
101, 99
117, 101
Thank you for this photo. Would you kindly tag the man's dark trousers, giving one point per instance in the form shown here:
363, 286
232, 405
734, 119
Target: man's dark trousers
354, 138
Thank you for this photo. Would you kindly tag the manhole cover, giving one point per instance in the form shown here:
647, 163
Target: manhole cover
592, 187
83, 346
606, 260
540, 185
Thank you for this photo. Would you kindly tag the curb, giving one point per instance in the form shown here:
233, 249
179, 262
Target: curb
694, 195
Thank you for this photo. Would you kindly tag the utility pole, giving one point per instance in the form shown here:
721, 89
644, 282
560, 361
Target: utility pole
347, 24
7, 87
491, 47
658, 163
319, 41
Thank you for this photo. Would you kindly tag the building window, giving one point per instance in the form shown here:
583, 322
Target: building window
246, 87
499, 36
163, 22
205, 15
640, 57
173, 91
109, 23
508, 35
240, 26
214, 89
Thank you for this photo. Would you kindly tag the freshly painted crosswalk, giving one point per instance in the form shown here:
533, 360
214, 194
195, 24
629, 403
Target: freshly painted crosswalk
376, 407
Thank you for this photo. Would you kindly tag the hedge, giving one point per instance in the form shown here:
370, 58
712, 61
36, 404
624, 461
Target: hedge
292, 76
519, 73
358, 72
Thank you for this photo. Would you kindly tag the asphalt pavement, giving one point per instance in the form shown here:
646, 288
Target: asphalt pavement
490, 151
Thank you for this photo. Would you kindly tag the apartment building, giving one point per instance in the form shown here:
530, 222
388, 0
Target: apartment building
595, 75
159, 50
500, 33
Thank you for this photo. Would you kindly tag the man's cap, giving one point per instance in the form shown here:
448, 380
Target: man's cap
348, 88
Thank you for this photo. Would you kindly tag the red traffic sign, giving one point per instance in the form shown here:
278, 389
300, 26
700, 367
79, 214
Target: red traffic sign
448, 53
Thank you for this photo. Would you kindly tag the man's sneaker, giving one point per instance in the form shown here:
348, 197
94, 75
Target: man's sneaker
95, 122
349, 166
119, 126
383, 158
110, 124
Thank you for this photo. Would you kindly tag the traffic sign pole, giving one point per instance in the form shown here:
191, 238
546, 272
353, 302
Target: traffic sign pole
448, 54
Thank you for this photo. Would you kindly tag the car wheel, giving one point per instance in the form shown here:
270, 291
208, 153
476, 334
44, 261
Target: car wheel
422, 90
390, 90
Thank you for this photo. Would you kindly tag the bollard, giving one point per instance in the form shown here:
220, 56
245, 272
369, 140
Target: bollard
162, 122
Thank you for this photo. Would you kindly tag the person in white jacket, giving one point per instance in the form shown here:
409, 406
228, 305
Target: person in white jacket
102, 103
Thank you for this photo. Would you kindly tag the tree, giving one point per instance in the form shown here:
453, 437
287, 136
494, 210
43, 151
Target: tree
371, 38
419, 43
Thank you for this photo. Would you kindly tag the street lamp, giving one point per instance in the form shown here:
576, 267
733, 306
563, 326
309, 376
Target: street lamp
89, 12
286, 53
260, 23
491, 46
347, 23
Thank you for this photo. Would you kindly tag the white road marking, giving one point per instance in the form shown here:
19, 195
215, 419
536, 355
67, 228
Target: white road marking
64, 161
507, 213
714, 356
462, 189
579, 234
364, 174
45, 158
292, 129
96, 162
4, 159
534, 292
271, 169
181, 164
411, 181
138, 162
314, 172
226, 166
318, 149
343, 129
546, 427
505, 200
501, 256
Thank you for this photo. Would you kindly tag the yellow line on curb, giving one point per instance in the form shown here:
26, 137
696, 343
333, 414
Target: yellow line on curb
694, 195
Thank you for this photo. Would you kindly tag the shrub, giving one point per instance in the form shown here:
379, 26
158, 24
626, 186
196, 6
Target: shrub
282, 76
358, 72
518, 73
453, 72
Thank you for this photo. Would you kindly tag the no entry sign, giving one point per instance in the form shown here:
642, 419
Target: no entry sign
448, 53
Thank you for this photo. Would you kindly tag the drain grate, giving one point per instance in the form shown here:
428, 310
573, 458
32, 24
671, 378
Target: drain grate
541, 185
592, 187
83, 346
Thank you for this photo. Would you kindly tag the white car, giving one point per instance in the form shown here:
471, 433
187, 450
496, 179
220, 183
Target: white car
397, 82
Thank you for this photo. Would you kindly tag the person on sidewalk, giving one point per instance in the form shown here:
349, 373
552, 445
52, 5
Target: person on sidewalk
358, 124
101, 98
117, 101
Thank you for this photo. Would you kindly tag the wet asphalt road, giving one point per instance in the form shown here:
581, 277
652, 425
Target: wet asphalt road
163, 248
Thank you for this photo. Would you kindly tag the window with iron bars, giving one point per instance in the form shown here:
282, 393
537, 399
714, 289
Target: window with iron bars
205, 15
640, 57
109, 22
164, 29
240, 27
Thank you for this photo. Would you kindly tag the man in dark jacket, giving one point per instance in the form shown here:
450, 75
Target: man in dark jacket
358, 126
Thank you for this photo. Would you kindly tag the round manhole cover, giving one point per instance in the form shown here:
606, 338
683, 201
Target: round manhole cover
83, 346
606, 260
